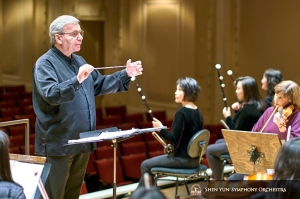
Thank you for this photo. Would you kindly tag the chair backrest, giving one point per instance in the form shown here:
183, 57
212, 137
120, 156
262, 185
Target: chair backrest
198, 143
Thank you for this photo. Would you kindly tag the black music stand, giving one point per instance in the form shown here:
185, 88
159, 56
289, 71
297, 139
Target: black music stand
252, 152
115, 138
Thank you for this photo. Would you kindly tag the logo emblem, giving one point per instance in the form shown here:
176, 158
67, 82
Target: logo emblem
195, 189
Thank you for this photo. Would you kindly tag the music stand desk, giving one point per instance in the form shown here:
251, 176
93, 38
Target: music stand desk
115, 138
252, 152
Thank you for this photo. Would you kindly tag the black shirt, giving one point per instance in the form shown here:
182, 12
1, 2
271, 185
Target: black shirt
186, 123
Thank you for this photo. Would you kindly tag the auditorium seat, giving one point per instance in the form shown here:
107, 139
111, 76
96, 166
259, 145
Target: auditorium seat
31, 149
133, 117
146, 124
10, 96
8, 104
24, 102
10, 112
159, 114
115, 110
14, 88
106, 152
17, 140
149, 137
15, 130
127, 126
27, 110
112, 120
105, 171
91, 168
5, 119
135, 138
216, 129
154, 145
131, 165
104, 143
152, 154
14, 150
83, 189
133, 148
26, 95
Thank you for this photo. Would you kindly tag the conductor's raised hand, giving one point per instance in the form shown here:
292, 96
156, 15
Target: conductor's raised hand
134, 68
156, 123
83, 72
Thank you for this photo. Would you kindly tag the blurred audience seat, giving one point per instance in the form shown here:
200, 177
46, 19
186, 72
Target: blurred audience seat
115, 110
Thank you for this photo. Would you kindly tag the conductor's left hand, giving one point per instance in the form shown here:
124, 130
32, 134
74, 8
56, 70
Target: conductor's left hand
134, 68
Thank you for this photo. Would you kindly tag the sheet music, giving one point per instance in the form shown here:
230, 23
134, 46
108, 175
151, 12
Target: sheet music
104, 136
27, 175
114, 134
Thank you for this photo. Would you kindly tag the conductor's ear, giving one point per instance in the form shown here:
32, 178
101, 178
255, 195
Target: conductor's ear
58, 39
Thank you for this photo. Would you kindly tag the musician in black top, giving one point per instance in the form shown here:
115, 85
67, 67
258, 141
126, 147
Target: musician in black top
271, 77
251, 108
188, 120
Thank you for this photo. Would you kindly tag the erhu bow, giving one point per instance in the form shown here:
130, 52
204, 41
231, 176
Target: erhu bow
168, 148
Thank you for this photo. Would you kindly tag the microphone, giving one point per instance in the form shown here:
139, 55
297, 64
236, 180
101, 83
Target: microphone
280, 111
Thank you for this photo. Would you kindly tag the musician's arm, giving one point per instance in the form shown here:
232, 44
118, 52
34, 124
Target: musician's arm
177, 129
295, 125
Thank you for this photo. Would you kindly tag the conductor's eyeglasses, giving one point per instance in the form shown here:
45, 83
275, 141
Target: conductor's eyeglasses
73, 34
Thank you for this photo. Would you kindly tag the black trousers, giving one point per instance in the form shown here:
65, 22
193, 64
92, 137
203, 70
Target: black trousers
66, 175
165, 161
213, 153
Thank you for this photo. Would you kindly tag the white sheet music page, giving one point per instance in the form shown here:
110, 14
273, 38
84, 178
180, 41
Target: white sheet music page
27, 175
104, 136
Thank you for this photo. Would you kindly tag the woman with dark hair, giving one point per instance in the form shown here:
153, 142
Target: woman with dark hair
271, 77
8, 188
251, 108
286, 171
188, 120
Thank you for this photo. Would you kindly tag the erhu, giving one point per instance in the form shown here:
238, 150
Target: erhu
222, 85
168, 148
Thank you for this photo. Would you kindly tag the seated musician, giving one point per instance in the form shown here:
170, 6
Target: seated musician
285, 181
8, 187
251, 107
287, 97
188, 120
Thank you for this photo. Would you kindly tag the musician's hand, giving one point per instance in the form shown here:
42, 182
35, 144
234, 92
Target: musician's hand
156, 123
280, 121
226, 112
236, 106
134, 68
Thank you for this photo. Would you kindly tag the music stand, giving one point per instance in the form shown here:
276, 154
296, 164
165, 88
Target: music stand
115, 137
251, 152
